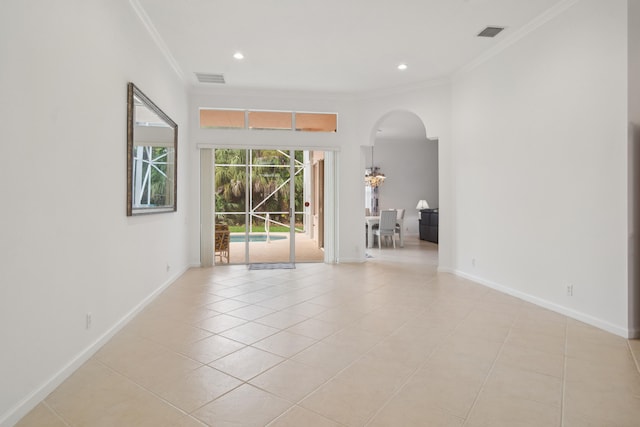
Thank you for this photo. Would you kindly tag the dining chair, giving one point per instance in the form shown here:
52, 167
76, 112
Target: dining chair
399, 216
387, 227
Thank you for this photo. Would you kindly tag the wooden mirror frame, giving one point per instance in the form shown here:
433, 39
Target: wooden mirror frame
155, 139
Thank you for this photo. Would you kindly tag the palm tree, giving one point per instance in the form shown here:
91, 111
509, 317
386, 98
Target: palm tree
269, 185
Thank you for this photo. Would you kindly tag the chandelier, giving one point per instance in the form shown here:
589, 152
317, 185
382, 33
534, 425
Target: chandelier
372, 176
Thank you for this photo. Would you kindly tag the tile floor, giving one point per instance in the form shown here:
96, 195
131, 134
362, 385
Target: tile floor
389, 342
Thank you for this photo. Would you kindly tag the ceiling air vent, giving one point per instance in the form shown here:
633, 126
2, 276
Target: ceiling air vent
490, 32
210, 78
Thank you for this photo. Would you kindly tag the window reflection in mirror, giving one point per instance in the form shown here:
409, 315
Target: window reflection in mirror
151, 156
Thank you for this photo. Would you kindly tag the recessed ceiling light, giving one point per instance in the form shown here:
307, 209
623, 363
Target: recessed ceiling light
238, 55
402, 67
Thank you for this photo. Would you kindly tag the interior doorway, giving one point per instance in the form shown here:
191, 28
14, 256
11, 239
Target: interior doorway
402, 171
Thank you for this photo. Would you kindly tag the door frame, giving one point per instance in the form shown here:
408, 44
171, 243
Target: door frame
207, 203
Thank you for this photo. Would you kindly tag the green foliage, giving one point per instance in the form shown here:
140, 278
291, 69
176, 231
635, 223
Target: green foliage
268, 187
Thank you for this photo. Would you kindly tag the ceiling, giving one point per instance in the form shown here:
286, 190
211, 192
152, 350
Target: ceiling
339, 46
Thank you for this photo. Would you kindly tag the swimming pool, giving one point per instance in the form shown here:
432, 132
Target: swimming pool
236, 238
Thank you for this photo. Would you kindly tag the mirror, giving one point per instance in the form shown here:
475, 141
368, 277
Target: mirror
152, 149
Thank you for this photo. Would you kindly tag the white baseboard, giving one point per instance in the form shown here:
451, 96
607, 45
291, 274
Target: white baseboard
15, 414
569, 312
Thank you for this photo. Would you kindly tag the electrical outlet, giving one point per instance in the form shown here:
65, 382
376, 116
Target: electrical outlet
569, 290
168, 267
473, 262
89, 320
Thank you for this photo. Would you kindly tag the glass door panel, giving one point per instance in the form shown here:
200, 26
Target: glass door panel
270, 207
230, 201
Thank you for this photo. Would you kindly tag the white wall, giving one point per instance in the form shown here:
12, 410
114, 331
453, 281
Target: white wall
540, 149
411, 167
634, 166
66, 246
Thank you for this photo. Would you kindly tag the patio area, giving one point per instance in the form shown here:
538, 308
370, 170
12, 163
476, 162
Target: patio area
276, 250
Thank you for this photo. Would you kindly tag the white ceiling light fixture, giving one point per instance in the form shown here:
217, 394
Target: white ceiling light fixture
402, 67
238, 55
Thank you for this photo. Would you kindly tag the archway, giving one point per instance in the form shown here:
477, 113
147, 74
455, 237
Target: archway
400, 149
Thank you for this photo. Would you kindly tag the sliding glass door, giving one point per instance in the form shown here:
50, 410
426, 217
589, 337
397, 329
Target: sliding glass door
262, 198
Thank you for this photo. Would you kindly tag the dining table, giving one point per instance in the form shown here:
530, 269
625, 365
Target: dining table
370, 221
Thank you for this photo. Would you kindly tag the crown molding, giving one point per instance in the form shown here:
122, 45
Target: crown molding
157, 39
527, 29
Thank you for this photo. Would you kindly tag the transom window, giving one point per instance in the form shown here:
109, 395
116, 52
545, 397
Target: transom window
268, 120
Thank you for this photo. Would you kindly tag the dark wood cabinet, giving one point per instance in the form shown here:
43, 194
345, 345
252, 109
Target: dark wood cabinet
428, 225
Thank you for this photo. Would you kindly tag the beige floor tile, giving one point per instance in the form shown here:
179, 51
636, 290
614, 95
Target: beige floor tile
249, 333
341, 316
226, 305
469, 329
298, 416
351, 404
195, 389
450, 390
375, 371
400, 345
211, 348
502, 410
409, 353
606, 407
285, 344
543, 326
291, 380
282, 319
125, 349
96, 396
281, 302
193, 315
246, 363
531, 360
537, 341
245, 406
466, 353
490, 318
608, 352
524, 384
533, 312
250, 312
308, 309
314, 328
603, 377
41, 416
410, 413
231, 292
573, 421
328, 357
253, 297
355, 339
158, 368
380, 323
170, 333
634, 345
581, 332
221, 323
